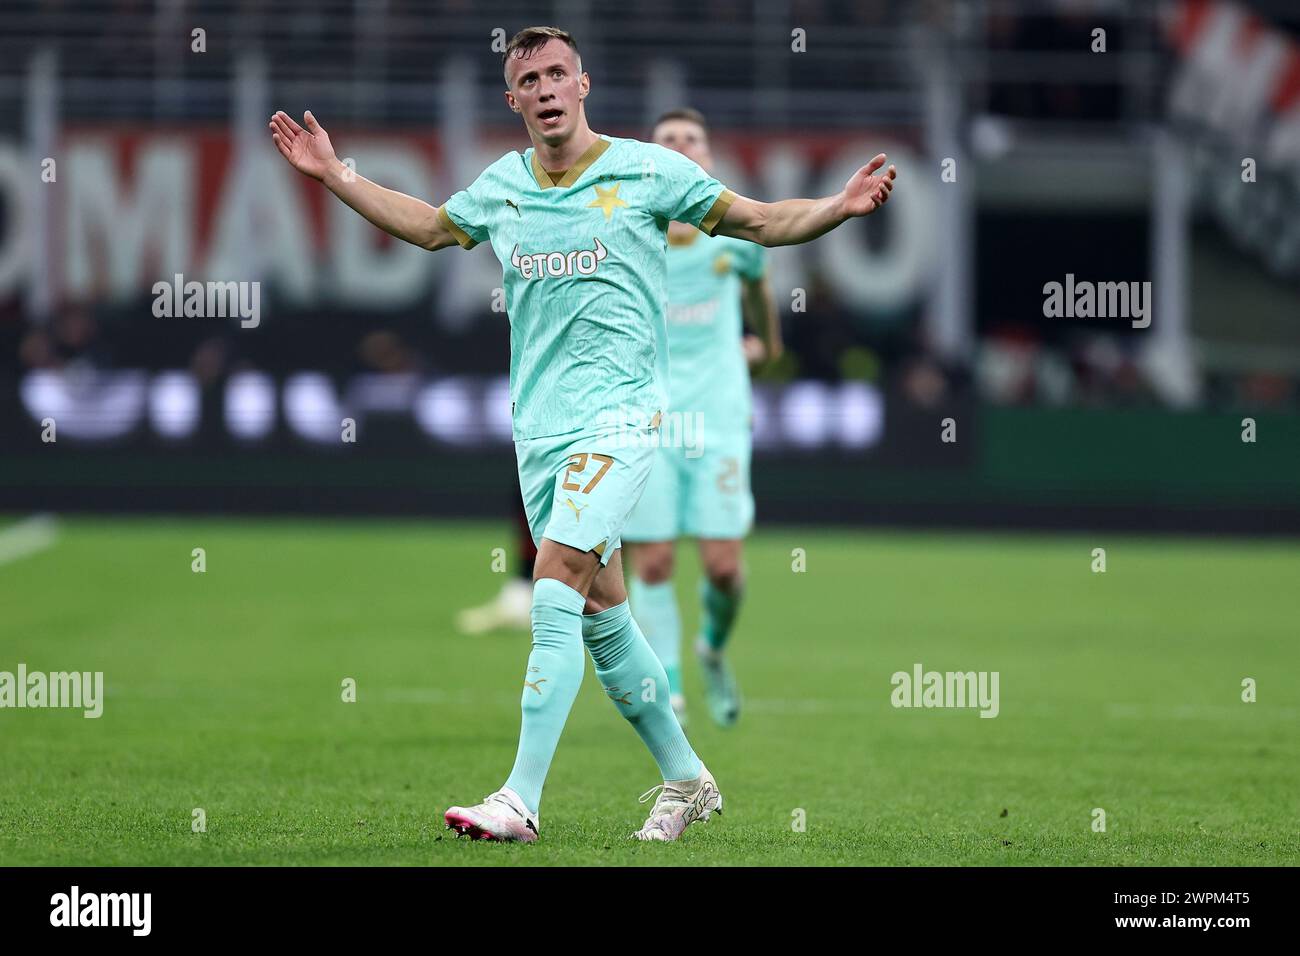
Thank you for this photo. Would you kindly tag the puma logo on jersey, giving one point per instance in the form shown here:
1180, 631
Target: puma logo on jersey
541, 265
577, 512
511, 204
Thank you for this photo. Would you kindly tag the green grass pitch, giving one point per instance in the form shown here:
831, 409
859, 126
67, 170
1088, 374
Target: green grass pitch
1119, 691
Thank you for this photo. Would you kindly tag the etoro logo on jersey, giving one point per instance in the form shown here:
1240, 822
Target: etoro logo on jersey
540, 265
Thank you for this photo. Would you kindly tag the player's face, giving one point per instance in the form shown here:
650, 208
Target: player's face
687, 138
547, 88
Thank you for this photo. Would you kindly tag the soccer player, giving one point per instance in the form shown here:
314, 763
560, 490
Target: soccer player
578, 222
700, 487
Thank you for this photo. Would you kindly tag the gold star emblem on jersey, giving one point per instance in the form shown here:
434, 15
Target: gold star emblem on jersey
606, 200
722, 264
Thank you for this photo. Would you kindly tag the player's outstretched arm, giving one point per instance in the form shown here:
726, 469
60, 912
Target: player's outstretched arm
792, 221
310, 152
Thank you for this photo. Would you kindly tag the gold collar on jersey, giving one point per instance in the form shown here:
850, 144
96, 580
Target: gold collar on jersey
570, 176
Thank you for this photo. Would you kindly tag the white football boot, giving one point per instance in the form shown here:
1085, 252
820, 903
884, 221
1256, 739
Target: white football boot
501, 817
509, 610
679, 804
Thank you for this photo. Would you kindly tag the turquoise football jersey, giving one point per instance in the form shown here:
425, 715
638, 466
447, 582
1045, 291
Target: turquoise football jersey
707, 371
584, 261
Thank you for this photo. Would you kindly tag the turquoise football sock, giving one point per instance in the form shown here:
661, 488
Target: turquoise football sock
654, 607
554, 675
625, 663
720, 609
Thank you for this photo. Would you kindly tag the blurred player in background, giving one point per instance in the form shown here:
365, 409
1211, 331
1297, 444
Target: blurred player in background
716, 287
512, 608
578, 222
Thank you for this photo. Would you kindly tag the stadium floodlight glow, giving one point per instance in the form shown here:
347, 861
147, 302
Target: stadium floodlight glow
496, 408
250, 405
311, 408
860, 421
92, 405
805, 414
389, 392
443, 410
764, 424
174, 404
87, 404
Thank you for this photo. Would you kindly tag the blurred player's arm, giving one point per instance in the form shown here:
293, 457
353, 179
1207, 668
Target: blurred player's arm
758, 307
791, 221
310, 152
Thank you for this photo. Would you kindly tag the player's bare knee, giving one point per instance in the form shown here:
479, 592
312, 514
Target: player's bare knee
607, 589
602, 599
658, 570
567, 565
725, 575
654, 562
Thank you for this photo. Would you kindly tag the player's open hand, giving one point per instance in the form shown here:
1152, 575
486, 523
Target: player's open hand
308, 150
868, 189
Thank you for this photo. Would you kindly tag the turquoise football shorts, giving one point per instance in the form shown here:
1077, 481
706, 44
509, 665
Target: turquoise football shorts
707, 496
580, 487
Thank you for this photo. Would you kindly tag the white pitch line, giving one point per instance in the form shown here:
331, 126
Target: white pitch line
28, 537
